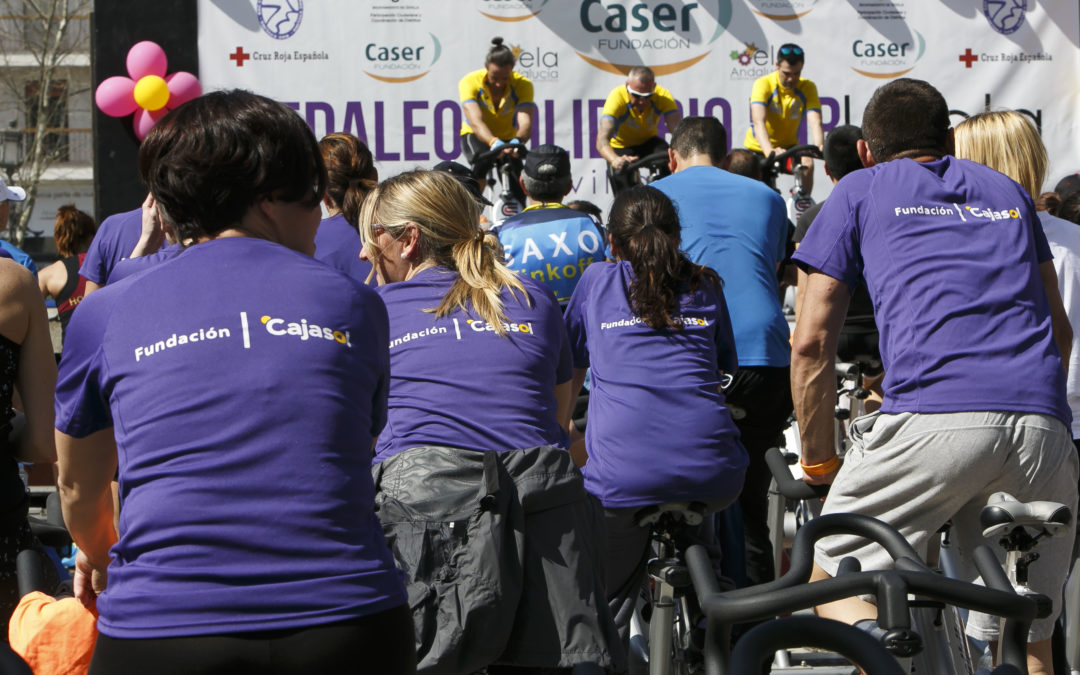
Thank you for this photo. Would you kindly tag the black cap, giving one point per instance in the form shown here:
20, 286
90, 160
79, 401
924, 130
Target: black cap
547, 162
1067, 185
465, 177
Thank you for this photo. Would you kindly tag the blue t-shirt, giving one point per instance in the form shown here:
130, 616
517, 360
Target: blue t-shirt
658, 427
455, 382
18, 255
552, 244
114, 241
950, 251
131, 266
338, 244
244, 418
738, 227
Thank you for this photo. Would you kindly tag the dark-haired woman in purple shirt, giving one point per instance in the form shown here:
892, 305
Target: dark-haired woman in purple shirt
654, 329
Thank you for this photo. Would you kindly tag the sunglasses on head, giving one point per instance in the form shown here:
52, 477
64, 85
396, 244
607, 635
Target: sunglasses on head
791, 50
638, 94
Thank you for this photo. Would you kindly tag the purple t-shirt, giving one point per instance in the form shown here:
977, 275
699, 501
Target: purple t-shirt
338, 244
455, 382
114, 240
950, 251
243, 422
658, 427
131, 266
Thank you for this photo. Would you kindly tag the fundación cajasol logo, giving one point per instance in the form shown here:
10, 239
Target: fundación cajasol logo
280, 18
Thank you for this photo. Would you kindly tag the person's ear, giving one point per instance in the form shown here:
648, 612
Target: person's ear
865, 156
410, 241
950, 142
673, 162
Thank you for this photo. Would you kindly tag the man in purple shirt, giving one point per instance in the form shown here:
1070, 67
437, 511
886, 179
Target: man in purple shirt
972, 338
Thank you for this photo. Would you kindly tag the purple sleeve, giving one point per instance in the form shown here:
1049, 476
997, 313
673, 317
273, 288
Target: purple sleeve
574, 316
831, 245
82, 403
726, 357
1042, 247
378, 325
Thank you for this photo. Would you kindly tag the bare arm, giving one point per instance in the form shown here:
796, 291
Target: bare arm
51, 279
603, 143
1063, 333
24, 321
672, 120
813, 125
524, 117
757, 118
90, 288
152, 236
87, 466
475, 117
813, 374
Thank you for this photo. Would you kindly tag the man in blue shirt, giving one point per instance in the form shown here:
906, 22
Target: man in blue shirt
548, 241
738, 227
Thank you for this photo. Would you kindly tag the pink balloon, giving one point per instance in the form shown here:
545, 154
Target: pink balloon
146, 58
145, 120
182, 88
115, 97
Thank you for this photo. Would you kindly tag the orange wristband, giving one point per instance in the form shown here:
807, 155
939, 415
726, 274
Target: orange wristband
826, 467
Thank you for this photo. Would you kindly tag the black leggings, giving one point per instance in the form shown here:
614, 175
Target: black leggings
382, 643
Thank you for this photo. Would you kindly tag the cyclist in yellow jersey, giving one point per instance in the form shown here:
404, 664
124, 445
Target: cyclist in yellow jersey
629, 122
778, 104
498, 107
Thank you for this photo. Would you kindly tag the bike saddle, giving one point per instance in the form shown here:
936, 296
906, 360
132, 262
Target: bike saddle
691, 513
1003, 513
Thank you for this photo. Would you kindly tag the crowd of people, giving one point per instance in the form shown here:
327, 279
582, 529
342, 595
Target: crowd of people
295, 443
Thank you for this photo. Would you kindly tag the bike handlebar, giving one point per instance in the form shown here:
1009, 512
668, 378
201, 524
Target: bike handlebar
788, 485
776, 164
791, 592
797, 631
496, 153
646, 161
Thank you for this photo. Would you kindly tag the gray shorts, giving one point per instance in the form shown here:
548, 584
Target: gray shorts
917, 471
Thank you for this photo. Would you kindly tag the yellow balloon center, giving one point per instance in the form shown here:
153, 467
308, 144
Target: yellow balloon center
151, 92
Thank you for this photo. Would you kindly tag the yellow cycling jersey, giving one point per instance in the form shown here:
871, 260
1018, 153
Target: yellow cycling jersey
631, 127
498, 118
784, 109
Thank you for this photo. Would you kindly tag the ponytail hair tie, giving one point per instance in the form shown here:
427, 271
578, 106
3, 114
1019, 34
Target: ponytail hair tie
479, 236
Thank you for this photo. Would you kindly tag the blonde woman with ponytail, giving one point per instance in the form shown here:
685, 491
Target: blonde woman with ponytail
479, 400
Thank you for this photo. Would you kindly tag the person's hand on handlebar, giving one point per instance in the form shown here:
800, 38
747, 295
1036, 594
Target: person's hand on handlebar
823, 473
623, 160
509, 148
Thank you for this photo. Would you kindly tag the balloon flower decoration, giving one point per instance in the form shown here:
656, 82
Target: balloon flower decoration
149, 92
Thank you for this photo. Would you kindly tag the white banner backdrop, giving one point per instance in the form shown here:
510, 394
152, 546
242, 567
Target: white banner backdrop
387, 70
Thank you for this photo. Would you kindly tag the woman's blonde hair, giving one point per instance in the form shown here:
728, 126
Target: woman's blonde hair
1007, 141
447, 218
